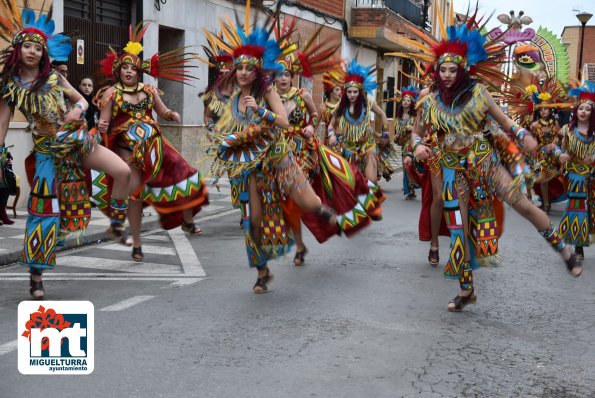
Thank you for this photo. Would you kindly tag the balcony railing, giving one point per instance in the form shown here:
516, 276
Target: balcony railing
406, 8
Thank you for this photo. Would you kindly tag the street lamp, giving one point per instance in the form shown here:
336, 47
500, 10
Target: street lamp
583, 18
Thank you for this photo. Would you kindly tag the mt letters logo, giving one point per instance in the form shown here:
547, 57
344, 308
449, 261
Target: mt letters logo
56, 337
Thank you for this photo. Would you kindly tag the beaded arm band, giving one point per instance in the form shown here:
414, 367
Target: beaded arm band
168, 115
313, 121
417, 141
518, 133
330, 133
267, 115
385, 133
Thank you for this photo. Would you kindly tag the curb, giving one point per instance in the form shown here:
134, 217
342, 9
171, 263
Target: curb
91, 238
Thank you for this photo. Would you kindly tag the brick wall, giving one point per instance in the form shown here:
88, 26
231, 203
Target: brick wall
378, 17
572, 36
333, 7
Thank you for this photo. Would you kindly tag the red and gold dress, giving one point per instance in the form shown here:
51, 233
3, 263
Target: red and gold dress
169, 183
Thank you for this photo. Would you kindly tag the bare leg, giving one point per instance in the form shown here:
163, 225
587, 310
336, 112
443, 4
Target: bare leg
299, 189
533, 214
436, 209
371, 170
545, 195
135, 214
103, 159
255, 207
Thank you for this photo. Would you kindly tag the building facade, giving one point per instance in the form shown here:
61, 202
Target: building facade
571, 35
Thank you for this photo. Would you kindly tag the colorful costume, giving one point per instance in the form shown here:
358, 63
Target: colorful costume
339, 184
356, 135
403, 128
578, 222
544, 165
470, 152
248, 145
59, 199
169, 183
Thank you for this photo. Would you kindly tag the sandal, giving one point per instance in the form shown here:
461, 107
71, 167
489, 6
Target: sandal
260, 286
137, 254
191, 228
119, 234
433, 257
36, 290
574, 265
298, 260
461, 301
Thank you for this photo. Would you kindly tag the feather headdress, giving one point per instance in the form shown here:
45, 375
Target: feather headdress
311, 59
586, 93
362, 77
170, 65
464, 45
540, 94
17, 27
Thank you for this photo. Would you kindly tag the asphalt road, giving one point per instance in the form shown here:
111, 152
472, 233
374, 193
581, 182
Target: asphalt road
365, 317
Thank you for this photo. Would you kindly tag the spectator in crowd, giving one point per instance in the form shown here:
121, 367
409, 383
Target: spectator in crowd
86, 88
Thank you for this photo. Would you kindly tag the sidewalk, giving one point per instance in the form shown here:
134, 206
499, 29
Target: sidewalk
12, 236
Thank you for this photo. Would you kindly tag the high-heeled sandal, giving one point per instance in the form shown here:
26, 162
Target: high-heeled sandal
260, 286
36, 286
119, 234
298, 260
191, 228
461, 301
433, 257
574, 263
137, 254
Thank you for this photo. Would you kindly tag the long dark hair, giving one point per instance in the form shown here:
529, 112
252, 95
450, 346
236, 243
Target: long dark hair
360, 102
537, 116
261, 83
460, 89
12, 66
400, 110
574, 120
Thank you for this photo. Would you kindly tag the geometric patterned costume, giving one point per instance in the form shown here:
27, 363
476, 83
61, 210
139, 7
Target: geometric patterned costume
578, 222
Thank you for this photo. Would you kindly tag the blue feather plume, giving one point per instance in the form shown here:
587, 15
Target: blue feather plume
472, 38
365, 72
588, 87
59, 46
259, 36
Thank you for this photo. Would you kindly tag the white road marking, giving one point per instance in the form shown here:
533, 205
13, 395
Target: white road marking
211, 208
118, 265
101, 277
122, 305
150, 249
8, 347
218, 215
184, 282
188, 257
160, 238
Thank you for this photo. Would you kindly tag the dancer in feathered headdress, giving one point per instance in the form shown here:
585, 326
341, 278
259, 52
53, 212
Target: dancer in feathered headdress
333, 91
352, 128
457, 106
577, 225
340, 185
129, 126
534, 108
247, 144
59, 201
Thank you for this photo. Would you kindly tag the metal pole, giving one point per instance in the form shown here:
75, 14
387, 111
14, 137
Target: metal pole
580, 57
